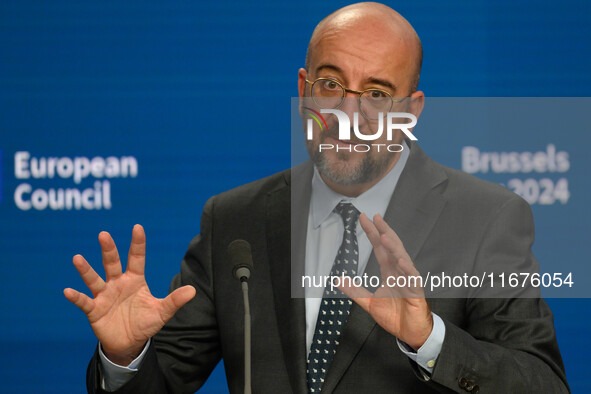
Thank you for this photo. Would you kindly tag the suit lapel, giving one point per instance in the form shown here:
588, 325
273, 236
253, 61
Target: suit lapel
415, 205
412, 212
287, 245
417, 202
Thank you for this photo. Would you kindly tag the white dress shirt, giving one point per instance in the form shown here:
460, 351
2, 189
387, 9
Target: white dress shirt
324, 237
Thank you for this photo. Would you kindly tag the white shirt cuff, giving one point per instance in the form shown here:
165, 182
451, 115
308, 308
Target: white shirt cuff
114, 376
427, 354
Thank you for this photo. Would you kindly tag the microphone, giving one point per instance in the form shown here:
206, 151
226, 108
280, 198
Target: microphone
241, 259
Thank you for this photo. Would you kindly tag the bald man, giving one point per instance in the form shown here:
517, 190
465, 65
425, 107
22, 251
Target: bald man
376, 342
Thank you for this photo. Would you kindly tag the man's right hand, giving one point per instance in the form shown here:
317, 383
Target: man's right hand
123, 313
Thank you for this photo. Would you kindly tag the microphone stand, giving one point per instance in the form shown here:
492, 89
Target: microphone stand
247, 374
241, 257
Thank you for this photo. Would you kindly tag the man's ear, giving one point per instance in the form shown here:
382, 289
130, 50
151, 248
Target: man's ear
302, 74
417, 102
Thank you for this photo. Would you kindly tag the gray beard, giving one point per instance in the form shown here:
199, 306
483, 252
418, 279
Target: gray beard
369, 169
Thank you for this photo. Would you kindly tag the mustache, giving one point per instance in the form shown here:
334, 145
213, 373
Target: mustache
333, 132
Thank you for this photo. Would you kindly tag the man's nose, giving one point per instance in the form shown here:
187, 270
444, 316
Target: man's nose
350, 104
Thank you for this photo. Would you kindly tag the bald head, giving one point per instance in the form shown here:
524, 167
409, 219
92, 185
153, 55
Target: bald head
377, 22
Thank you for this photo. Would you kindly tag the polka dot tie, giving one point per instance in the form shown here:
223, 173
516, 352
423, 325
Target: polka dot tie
334, 311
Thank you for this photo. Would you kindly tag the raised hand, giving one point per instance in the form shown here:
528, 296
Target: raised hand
123, 313
402, 311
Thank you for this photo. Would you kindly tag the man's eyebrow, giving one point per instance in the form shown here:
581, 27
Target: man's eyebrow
382, 82
328, 66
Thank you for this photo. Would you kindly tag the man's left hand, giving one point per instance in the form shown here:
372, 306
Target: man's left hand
402, 311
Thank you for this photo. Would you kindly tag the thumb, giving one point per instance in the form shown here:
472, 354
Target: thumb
175, 300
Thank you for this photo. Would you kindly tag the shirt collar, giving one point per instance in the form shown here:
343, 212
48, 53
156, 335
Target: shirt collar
372, 201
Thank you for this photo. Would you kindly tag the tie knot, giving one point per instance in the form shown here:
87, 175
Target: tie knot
348, 212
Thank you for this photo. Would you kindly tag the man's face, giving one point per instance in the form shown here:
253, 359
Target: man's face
359, 58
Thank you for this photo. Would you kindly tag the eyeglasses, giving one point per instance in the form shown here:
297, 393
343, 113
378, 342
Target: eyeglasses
329, 93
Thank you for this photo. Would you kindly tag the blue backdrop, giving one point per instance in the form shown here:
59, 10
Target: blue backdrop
148, 99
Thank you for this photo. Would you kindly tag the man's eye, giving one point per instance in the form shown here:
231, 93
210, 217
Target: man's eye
376, 94
331, 85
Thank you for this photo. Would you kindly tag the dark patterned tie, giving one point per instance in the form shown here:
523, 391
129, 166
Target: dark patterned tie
334, 312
